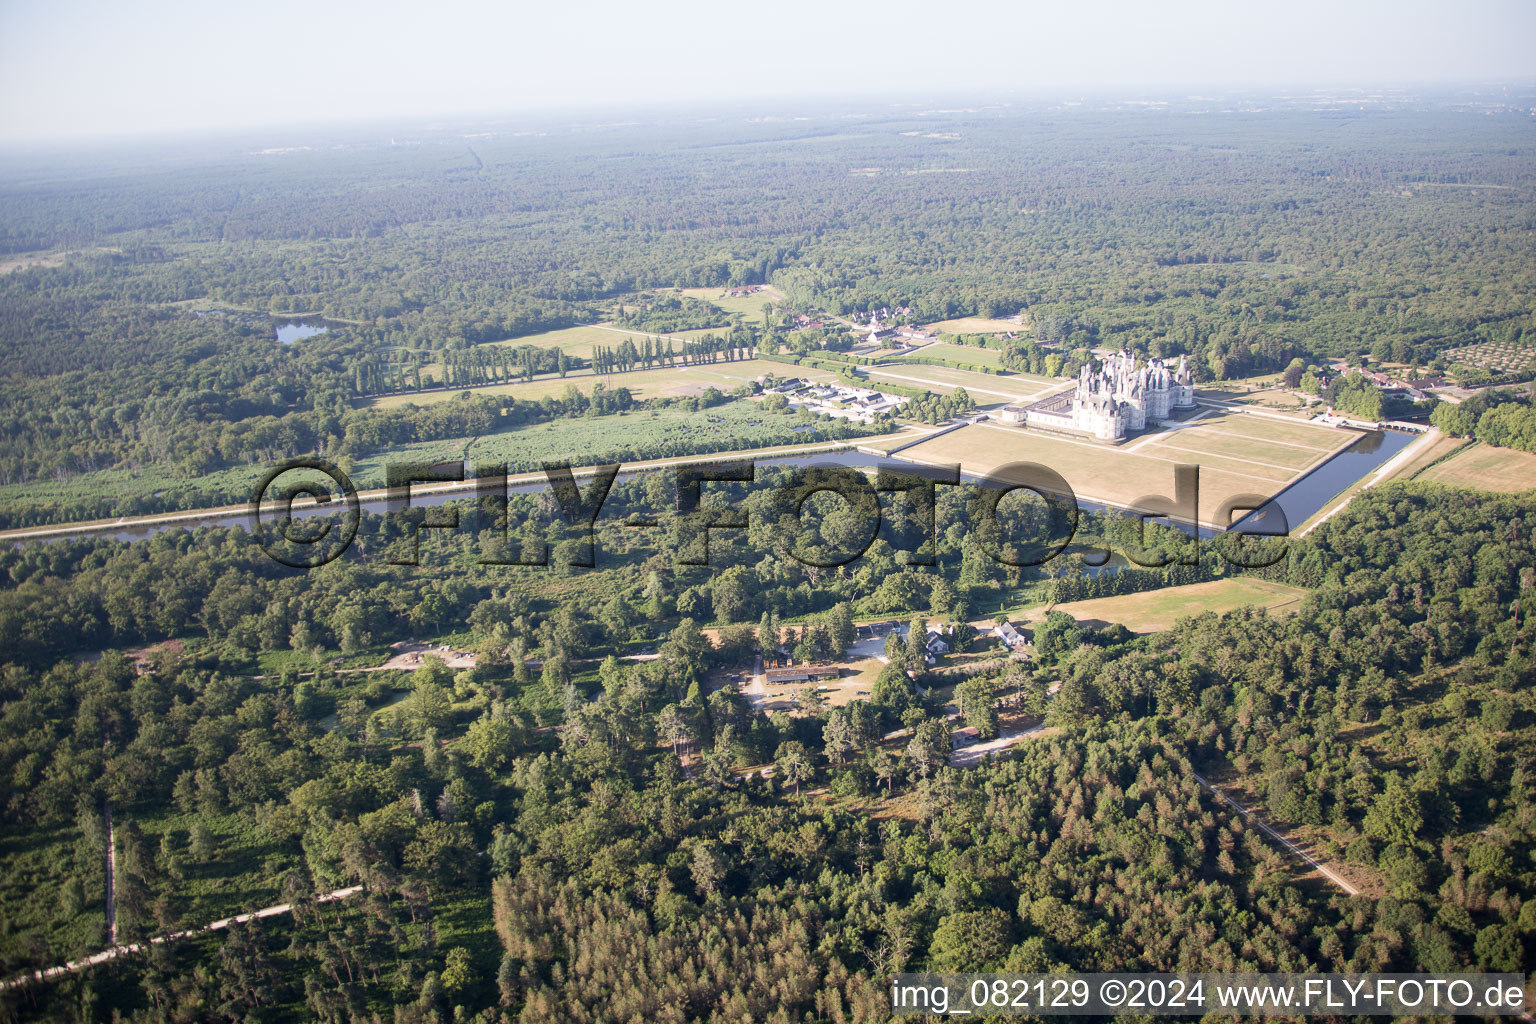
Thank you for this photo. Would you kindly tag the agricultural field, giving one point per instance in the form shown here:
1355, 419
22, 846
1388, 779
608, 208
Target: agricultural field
1157, 610
573, 341
1486, 468
975, 325
749, 306
1237, 455
580, 341
973, 354
625, 437
670, 382
986, 388
1498, 356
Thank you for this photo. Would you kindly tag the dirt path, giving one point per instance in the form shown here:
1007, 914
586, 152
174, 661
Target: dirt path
111, 878
964, 757
118, 951
1289, 846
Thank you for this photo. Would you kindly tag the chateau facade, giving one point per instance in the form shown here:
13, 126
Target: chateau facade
1124, 396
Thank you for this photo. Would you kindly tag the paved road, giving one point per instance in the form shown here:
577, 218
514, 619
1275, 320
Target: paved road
1318, 865
118, 951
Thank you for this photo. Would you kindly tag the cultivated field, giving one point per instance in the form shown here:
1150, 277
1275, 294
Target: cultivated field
1238, 454
668, 382
1158, 610
975, 325
1486, 468
1498, 356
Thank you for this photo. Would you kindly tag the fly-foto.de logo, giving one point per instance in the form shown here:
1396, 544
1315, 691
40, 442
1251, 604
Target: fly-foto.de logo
308, 534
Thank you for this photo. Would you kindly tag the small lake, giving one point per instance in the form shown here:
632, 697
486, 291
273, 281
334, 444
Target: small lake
292, 330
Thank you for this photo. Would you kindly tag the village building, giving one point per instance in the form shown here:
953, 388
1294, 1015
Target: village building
1009, 635
801, 674
858, 404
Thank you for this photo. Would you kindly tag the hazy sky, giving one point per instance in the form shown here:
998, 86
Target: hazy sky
72, 67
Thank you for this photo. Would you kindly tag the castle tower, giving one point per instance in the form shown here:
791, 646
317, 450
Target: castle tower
1183, 386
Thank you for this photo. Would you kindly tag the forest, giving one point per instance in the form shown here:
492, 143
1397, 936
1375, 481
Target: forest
1503, 420
525, 828
576, 824
1243, 241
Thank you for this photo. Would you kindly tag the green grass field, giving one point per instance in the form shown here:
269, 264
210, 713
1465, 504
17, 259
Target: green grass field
1281, 401
961, 354
749, 306
580, 341
627, 437
1122, 475
985, 388
1256, 453
1486, 468
1267, 428
672, 382
575, 341
1158, 610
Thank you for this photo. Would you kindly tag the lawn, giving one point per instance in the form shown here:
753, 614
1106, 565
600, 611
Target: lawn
889, 441
975, 325
1157, 610
1486, 468
750, 306
580, 341
1267, 428
1213, 439
961, 354
1279, 400
986, 388
1443, 448
573, 341
1121, 476
670, 382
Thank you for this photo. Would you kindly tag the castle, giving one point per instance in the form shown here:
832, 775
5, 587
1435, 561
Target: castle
1122, 397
